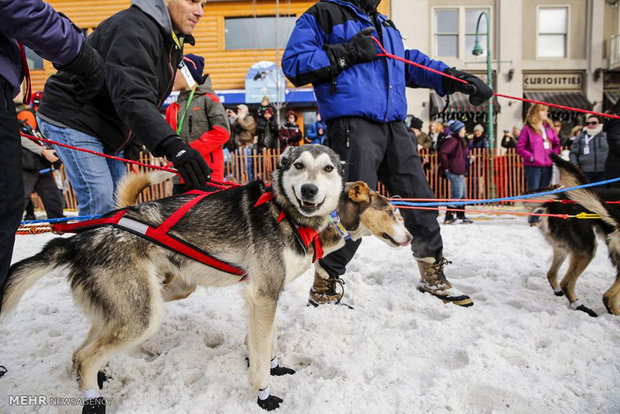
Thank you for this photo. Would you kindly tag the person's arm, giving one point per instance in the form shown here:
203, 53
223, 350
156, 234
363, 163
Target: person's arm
574, 150
308, 59
31, 146
37, 25
219, 134
417, 77
312, 132
613, 136
555, 142
522, 150
446, 148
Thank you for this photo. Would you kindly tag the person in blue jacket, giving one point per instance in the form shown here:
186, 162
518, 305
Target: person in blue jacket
362, 98
36, 25
317, 131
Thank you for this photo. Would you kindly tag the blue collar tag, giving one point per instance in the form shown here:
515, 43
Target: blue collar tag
335, 218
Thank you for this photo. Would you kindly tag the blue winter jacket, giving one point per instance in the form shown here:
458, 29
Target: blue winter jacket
313, 132
373, 90
38, 26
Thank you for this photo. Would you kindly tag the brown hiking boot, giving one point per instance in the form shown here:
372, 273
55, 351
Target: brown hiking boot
324, 290
433, 281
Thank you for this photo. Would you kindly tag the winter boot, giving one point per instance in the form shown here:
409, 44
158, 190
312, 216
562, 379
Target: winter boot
433, 281
461, 216
324, 290
449, 217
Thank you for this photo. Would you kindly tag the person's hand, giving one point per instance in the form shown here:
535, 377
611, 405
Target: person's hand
478, 91
360, 48
88, 70
50, 155
188, 161
132, 151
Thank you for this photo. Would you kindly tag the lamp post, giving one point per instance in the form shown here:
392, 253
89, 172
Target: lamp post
477, 52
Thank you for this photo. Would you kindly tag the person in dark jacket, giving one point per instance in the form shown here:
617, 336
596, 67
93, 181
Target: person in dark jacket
479, 139
453, 166
267, 130
612, 164
362, 98
199, 118
589, 150
142, 47
290, 132
36, 25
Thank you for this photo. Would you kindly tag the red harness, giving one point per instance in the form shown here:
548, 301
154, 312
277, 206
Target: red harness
160, 234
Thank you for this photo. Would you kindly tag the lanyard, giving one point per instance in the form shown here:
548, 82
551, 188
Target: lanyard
189, 100
177, 40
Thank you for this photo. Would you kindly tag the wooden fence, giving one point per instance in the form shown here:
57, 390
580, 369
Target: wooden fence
505, 172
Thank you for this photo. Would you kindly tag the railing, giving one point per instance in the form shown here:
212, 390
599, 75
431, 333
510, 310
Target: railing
614, 51
242, 166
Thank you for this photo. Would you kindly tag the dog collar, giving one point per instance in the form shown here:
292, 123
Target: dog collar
335, 219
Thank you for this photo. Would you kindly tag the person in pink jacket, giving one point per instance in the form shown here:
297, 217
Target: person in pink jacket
537, 140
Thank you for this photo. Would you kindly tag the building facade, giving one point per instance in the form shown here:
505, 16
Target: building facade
557, 51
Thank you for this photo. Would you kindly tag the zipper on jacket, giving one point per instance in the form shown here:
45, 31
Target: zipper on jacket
347, 135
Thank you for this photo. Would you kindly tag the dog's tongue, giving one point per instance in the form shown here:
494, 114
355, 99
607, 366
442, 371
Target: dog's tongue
405, 244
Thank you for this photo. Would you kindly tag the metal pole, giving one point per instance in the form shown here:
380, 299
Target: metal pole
490, 105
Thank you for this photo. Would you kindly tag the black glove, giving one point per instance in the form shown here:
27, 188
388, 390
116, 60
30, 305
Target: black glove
478, 91
132, 151
360, 48
88, 70
190, 164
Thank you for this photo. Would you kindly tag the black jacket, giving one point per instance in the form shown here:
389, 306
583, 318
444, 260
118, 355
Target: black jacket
612, 164
141, 58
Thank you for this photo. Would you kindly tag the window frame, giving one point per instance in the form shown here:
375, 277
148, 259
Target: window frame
462, 30
566, 34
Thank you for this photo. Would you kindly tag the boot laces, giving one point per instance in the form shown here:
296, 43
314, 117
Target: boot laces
435, 270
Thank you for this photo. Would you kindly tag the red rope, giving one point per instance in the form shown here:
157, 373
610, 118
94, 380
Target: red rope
514, 213
482, 201
218, 184
499, 95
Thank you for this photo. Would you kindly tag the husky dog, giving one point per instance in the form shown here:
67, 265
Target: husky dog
117, 276
577, 237
361, 211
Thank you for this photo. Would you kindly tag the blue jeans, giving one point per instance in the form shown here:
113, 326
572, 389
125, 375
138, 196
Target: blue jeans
535, 178
457, 185
92, 177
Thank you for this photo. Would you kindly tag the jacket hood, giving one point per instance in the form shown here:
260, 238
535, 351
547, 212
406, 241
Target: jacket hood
289, 112
205, 86
366, 5
157, 10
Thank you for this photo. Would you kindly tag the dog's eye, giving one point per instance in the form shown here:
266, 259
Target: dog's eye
390, 212
299, 165
329, 168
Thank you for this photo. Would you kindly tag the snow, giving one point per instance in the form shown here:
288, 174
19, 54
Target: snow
520, 349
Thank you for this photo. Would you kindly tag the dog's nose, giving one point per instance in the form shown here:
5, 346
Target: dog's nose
308, 191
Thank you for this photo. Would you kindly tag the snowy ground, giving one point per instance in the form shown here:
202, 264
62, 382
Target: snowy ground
518, 350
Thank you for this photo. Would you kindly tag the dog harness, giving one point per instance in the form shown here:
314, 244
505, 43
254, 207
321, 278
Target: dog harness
159, 235
305, 236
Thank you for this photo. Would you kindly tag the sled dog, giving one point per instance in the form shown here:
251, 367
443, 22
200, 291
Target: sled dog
121, 279
577, 238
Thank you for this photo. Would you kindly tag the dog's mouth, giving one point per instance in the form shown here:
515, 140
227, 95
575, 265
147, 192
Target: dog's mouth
393, 242
308, 206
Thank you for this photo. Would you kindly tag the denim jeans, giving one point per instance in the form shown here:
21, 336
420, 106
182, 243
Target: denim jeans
92, 177
457, 184
535, 178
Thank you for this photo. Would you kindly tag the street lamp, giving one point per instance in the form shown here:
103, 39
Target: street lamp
477, 52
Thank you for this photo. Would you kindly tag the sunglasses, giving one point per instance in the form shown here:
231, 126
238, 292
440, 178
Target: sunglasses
592, 123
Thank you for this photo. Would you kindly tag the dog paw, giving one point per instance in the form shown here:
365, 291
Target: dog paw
278, 371
270, 403
587, 310
101, 378
94, 406
558, 292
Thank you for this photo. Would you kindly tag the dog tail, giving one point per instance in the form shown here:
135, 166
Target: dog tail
23, 274
132, 185
571, 176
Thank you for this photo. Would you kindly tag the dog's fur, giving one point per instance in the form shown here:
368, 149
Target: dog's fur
117, 277
576, 238
362, 212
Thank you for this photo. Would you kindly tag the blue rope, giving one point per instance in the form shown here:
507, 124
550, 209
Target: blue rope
59, 220
494, 200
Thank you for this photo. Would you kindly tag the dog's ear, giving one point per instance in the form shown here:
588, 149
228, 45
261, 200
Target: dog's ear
285, 159
359, 192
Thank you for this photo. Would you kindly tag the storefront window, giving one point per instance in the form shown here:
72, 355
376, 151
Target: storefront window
552, 32
263, 32
455, 31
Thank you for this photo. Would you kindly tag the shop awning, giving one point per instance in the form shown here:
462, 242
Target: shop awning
460, 108
572, 99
